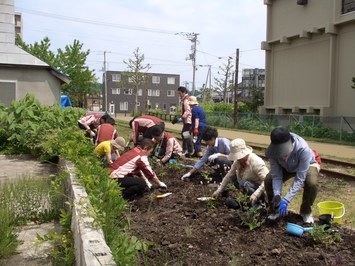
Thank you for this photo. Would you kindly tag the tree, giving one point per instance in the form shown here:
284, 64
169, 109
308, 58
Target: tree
137, 74
353, 83
70, 62
223, 84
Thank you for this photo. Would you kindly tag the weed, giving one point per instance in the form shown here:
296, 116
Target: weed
319, 234
188, 231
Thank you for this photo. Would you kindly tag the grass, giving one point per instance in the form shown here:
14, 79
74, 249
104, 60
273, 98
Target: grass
23, 200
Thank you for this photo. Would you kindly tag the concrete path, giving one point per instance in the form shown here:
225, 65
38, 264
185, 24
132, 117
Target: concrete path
324, 149
29, 252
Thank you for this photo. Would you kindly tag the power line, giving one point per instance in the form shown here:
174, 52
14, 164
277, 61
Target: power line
94, 22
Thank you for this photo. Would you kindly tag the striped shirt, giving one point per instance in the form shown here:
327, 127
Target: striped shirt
142, 123
90, 121
131, 163
170, 145
105, 132
186, 110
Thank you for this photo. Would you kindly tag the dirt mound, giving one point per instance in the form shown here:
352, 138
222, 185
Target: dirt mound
185, 231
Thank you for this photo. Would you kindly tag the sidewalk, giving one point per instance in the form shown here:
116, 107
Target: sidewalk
324, 149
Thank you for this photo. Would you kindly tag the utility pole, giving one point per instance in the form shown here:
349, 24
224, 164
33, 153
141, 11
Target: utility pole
236, 89
105, 76
193, 38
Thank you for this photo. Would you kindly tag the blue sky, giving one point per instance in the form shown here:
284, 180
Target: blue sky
119, 26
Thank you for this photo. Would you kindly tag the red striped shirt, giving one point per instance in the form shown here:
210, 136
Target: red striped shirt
142, 123
90, 121
105, 132
131, 163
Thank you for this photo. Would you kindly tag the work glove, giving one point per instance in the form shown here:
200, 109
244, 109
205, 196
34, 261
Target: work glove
195, 131
162, 185
186, 176
176, 120
213, 157
283, 207
92, 134
275, 202
149, 185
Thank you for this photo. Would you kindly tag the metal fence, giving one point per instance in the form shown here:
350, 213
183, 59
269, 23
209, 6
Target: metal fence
335, 127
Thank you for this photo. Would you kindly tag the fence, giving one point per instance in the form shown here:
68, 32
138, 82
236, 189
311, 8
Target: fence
336, 127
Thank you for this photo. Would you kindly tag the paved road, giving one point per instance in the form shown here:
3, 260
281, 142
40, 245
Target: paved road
324, 149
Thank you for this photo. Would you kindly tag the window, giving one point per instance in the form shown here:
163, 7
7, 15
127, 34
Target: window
127, 92
116, 91
348, 6
171, 93
155, 79
140, 92
116, 77
171, 80
154, 93
138, 103
124, 106
164, 106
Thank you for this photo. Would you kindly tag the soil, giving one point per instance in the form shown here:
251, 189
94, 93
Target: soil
184, 231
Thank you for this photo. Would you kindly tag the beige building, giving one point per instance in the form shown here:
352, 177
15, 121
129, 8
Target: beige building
310, 57
20, 72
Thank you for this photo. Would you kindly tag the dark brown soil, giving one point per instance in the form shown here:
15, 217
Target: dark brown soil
185, 231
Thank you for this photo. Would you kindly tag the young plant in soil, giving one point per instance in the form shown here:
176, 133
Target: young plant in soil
321, 235
249, 215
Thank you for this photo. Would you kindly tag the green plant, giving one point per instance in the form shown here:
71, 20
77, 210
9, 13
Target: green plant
188, 231
319, 234
8, 240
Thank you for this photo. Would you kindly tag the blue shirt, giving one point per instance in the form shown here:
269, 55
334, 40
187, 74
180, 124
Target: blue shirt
298, 162
199, 113
221, 146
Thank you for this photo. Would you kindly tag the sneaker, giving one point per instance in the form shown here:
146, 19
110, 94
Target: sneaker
273, 216
307, 218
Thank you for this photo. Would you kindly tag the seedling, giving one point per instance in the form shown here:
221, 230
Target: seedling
320, 234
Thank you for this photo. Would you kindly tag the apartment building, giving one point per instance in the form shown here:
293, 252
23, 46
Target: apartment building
252, 79
158, 92
310, 59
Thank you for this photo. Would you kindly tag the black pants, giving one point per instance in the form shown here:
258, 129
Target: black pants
132, 186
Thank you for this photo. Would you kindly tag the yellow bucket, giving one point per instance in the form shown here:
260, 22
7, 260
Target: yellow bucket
334, 208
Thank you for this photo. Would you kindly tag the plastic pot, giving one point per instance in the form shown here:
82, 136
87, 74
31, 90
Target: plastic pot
296, 230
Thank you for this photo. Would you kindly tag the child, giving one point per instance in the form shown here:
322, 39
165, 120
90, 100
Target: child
109, 149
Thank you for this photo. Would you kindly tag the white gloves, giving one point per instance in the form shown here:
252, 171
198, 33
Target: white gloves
213, 157
92, 134
185, 176
149, 185
216, 194
162, 185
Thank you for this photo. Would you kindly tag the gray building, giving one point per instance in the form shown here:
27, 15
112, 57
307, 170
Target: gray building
158, 92
310, 59
20, 72
252, 78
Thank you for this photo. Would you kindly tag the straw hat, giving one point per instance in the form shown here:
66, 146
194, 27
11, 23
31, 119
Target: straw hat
193, 100
238, 149
119, 143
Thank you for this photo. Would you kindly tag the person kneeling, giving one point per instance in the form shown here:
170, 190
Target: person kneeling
247, 173
133, 171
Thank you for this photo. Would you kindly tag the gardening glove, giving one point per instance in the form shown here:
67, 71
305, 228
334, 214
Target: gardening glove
162, 185
92, 134
149, 185
213, 157
283, 207
275, 202
195, 131
186, 176
176, 120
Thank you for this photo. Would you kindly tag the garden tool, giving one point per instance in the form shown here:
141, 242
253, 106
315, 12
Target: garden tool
296, 230
163, 195
205, 198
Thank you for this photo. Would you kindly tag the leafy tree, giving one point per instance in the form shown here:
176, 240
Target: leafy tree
72, 62
256, 100
40, 50
137, 73
223, 84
